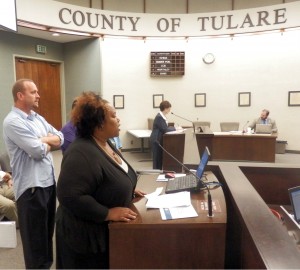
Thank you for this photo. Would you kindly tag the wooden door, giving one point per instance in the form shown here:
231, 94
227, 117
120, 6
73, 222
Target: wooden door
46, 76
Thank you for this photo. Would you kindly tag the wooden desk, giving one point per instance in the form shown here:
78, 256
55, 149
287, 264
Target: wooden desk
141, 134
174, 144
238, 147
255, 238
149, 242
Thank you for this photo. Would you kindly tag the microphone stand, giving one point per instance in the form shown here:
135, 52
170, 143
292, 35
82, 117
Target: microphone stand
182, 117
209, 199
185, 120
245, 127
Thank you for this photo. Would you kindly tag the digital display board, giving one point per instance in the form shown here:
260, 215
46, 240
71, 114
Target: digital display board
167, 64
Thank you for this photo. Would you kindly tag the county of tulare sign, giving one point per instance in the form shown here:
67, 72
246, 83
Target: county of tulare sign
103, 22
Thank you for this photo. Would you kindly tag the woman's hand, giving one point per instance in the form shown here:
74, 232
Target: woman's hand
139, 193
120, 214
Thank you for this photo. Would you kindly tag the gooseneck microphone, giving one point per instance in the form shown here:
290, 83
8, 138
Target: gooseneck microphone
209, 200
245, 127
185, 120
182, 117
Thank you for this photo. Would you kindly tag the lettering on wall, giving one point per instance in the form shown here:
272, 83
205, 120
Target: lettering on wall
216, 23
105, 22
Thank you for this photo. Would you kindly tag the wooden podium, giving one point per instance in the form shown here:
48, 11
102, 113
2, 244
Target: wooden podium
174, 144
148, 242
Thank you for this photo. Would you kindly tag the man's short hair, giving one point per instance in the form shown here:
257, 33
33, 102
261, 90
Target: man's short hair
266, 111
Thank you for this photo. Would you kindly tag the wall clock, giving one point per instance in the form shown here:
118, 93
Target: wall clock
208, 58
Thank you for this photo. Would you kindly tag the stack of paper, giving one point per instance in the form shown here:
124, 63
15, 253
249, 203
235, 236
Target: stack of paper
172, 206
178, 212
169, 200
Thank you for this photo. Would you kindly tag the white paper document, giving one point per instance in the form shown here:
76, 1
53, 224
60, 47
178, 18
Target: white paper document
155, 193
178, 131
178, 212
169, 200
8, 234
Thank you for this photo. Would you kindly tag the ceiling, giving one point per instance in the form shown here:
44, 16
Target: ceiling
62, 38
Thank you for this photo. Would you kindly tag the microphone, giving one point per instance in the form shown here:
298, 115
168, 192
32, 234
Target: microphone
245, 126
185, 120
182, 117
209, 200
209, 203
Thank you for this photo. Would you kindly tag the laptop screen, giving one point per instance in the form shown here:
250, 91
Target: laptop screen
203, 162
294, 194
263, 128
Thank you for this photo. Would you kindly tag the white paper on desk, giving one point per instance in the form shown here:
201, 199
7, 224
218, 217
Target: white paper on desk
155, 193
178, 212
169, 200
162, 178
176, 131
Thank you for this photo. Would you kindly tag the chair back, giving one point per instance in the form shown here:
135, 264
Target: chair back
150, 123
198, 124
229, 126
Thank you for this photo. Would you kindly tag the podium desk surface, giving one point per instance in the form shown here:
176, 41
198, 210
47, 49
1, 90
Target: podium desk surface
150, 242
148, 184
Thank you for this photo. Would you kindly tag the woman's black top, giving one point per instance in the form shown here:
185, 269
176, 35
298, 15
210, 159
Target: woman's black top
88, 185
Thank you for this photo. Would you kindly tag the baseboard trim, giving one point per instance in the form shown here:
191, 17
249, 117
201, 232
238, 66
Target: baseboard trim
292, 151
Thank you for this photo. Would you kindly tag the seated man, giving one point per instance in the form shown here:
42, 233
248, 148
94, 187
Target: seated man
264, 119
7, 198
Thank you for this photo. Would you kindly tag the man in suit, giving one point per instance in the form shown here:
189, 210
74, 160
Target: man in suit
264, 119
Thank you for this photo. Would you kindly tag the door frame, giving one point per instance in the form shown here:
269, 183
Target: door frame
62, 80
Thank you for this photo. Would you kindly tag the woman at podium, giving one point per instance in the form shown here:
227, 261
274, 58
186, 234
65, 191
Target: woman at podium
96, 185
160, 127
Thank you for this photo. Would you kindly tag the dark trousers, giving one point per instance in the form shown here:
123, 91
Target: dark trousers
67, 258
157, 156
36, 211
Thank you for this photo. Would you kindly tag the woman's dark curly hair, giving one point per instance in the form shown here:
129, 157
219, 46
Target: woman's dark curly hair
88, 114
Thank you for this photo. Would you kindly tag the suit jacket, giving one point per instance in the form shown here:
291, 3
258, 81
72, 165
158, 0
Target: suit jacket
89, 185
260, 121
160, 127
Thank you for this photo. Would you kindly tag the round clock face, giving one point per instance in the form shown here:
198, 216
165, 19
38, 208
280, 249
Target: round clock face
208, 58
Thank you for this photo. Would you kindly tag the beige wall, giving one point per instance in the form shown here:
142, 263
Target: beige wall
265, 65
